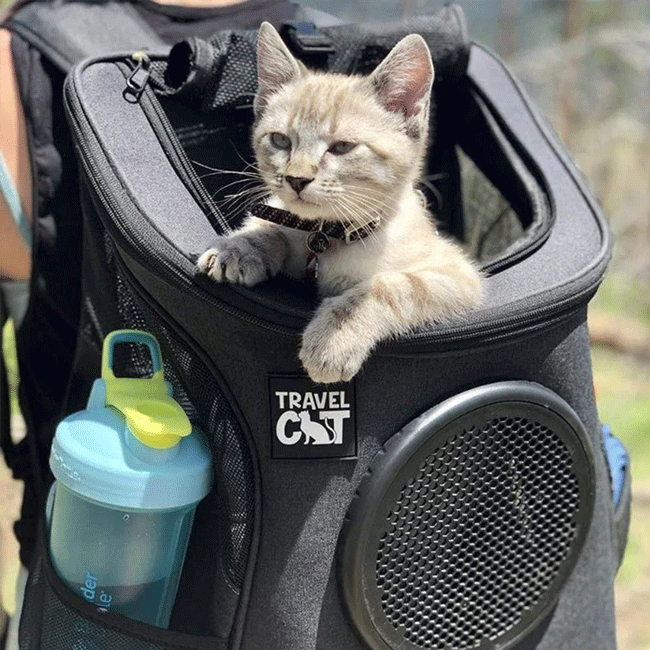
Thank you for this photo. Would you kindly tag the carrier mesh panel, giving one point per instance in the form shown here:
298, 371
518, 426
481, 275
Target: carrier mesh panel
491, 224
196, 389
50, 623
231, 79
478, 535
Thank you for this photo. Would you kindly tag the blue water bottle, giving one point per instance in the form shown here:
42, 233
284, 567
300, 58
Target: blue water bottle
130, 471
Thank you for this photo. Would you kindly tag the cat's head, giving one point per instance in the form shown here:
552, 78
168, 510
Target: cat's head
338, 147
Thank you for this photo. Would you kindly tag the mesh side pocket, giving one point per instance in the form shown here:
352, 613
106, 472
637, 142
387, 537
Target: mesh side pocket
55, 619
197, 391
218, 555
111, 304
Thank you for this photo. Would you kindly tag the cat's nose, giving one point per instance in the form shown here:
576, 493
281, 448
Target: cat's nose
298, 183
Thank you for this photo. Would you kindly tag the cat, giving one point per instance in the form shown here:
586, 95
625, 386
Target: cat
342, 154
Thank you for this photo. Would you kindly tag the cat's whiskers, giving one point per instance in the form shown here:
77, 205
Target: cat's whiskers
236, 202
241, 201
372, 210
240, 182
373, 207
365, 218
230, 172
213, 171
339, 211
246, 193
360, 211
376, 200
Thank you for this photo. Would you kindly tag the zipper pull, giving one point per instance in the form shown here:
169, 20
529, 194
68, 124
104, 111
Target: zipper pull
137, 80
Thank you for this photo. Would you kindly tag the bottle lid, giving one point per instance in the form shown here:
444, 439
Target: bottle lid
131, 447
152, 415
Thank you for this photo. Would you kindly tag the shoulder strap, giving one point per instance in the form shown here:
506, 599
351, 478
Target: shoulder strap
68, 31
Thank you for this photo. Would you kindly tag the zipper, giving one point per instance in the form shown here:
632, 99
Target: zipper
137, 81
472, 334
514, 324
139, 89
130, 237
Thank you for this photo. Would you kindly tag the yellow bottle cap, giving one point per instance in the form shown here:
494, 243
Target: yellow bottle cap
151, 413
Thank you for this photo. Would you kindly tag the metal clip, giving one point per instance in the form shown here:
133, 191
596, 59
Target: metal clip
317, 242
137, 80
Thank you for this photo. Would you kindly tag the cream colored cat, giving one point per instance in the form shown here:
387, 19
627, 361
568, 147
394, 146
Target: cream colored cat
347, 150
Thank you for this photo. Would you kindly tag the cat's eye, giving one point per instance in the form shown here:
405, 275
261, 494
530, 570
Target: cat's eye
342, 147
280, 140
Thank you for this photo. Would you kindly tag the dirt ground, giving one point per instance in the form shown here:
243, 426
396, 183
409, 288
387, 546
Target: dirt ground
633, 586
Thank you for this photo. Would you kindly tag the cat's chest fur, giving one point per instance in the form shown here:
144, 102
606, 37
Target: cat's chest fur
340, 266
401, 237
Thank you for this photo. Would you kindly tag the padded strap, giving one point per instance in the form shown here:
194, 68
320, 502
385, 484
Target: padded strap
67, 32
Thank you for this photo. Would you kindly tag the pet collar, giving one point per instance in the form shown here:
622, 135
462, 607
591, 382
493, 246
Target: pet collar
320, 232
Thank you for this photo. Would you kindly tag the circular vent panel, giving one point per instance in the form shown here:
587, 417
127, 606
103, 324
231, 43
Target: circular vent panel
466, 528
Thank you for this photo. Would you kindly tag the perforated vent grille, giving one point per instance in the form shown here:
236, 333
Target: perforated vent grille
478, 534
467, 527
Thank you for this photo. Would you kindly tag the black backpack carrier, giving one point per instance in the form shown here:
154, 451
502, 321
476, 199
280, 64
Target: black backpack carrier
465, 498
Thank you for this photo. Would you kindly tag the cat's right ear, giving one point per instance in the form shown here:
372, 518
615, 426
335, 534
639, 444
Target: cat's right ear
276, 66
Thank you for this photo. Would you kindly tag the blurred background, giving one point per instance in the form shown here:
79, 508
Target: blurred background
587, 64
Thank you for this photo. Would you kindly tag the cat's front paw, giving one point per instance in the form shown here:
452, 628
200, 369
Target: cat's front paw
333, 349
236, 259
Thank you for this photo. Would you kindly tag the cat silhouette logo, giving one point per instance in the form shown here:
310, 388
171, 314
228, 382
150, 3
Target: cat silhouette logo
310, 420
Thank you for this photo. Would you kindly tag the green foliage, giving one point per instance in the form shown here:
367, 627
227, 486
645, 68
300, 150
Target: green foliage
623, 396
9, 350
621, 295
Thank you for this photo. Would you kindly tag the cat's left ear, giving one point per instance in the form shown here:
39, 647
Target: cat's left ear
276, 66
404, 78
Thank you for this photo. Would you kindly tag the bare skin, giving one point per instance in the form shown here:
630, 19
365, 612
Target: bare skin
14, 257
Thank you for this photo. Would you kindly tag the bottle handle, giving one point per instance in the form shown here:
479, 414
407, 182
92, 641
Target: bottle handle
131, 336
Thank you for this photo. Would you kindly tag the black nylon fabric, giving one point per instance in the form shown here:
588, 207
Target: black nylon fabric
290, 596
357, 50
295, 600
66, 32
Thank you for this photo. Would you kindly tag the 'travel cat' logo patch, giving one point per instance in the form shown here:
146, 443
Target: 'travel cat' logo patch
310, 420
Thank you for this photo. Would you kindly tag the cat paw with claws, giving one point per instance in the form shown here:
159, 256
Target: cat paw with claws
333, 349
239, 260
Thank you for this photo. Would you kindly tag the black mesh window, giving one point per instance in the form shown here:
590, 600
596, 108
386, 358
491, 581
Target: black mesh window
465, 530
505, 499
